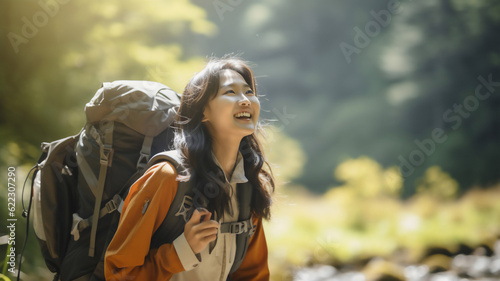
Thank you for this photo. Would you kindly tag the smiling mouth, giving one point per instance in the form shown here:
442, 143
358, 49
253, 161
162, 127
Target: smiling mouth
243, 115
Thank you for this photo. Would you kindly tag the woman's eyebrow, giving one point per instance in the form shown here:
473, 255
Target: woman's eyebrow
235, 84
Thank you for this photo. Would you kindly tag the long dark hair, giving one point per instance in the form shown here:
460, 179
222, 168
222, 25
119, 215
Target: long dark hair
194, 142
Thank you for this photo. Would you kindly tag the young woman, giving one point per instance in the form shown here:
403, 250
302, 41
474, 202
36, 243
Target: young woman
216, 138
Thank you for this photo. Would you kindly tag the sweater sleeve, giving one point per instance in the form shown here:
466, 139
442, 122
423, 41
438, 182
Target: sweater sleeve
254, 266
128, 256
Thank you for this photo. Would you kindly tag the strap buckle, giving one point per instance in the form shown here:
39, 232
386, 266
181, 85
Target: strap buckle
239, 227
143, 160
106, 152
111, 206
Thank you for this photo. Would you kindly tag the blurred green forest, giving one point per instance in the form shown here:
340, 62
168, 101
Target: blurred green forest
412, 85
399, 86
415, 70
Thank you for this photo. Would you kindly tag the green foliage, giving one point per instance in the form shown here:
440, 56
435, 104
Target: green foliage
367, 178
365, 218
45, 85
437, 184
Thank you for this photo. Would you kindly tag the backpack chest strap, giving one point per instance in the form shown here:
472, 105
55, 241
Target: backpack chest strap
239, 227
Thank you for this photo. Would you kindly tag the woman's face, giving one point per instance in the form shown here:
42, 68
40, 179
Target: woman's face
235, 110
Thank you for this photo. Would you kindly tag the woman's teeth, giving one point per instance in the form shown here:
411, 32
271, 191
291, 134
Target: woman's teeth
242, 115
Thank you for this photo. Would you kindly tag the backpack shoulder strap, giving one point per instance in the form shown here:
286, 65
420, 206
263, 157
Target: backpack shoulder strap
244, 228
181, 207
172, 156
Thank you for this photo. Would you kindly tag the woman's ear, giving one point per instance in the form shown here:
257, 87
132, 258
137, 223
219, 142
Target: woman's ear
204, 117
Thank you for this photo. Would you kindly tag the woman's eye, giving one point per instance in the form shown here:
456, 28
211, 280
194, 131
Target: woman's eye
249, 92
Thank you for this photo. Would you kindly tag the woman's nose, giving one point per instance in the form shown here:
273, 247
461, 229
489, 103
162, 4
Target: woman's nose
244, 101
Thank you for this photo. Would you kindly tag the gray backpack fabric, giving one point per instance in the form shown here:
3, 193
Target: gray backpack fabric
181, 209
81, 180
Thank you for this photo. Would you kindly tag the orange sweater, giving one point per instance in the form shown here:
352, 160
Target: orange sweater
129, 257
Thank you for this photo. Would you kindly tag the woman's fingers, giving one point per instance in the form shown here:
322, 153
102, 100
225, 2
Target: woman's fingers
206, 217
197, 214
206, 232
200, 230
209, 239
204, 225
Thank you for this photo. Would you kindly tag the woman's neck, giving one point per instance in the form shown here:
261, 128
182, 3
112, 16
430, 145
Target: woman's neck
226, 152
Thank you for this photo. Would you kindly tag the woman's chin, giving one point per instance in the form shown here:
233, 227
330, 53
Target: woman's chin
247, 127
244, 131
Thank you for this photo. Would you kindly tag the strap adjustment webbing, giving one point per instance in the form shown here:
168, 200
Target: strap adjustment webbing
106, 151
80, 224
145, 153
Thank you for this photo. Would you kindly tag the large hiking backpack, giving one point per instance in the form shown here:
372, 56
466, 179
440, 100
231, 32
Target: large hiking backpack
81, 181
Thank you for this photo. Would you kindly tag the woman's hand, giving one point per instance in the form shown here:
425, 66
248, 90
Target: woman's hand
200, 230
